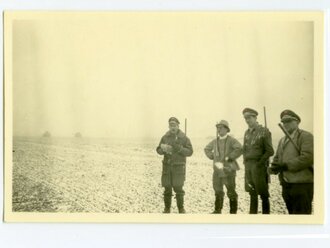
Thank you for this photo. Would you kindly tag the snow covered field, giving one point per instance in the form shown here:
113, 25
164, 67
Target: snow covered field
112, 175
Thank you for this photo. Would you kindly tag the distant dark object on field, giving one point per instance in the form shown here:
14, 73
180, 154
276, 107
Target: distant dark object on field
46, 134
78, 135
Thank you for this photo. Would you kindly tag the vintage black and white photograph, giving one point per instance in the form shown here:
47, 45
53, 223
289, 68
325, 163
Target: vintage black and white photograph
174, 116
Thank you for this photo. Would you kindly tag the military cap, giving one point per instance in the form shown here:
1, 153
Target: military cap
250, 112
223, 123
173, 119
289, 115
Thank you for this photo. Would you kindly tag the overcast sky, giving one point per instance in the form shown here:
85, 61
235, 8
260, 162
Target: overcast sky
125, 74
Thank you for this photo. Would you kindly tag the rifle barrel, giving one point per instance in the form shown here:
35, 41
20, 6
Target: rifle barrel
216, 146
265, 116
185, 126
289, 137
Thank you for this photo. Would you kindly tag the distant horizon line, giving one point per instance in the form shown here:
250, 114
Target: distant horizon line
66, 136
109, 137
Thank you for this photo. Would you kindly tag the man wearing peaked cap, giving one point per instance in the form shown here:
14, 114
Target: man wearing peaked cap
294, 163
224, 150
175, 146
289, 115
173, 119
257, 148
250, 112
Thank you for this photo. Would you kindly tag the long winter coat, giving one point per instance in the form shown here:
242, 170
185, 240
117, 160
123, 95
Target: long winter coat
175, 163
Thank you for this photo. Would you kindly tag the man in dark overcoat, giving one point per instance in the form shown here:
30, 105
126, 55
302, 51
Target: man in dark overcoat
175, 146
257, 148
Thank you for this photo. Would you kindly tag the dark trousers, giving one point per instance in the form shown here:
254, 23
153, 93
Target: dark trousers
298, 197
179, 197
228, 181
178, 191
256, 183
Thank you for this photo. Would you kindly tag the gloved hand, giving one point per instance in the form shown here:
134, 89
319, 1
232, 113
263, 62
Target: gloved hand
177, 147
229, 160
276, 168
166, 148
218, 165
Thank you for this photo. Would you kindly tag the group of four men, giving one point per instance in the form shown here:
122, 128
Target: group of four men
293, 162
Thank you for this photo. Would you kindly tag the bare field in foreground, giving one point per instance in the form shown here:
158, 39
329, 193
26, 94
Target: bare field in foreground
117, 176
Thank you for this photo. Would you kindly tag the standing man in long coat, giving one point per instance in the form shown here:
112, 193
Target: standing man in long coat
175, 146
257, 148
294, 163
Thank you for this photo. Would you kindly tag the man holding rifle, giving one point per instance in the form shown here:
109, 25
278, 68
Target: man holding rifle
257, 148
224, 150
175, 146
294, 164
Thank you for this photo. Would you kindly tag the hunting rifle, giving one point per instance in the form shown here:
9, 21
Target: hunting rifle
289, 137
267, 162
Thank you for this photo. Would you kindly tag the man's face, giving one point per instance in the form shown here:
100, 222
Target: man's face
290, 125
222, 130
250, 120
174, 127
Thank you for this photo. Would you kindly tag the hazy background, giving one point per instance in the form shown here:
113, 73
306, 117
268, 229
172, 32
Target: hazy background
125, 74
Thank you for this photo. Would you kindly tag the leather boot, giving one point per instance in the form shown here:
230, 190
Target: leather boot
253, 204
180, 204
167, 202
218, 204
265, 206
233, 206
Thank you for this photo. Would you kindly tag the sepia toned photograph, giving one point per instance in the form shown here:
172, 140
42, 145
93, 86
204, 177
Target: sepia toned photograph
168, 117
